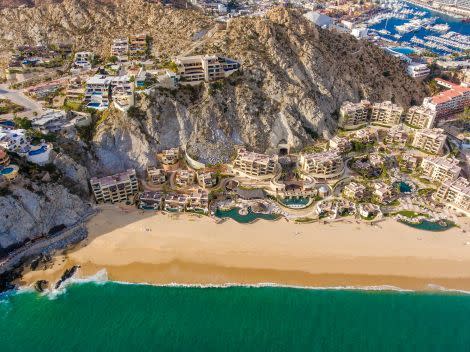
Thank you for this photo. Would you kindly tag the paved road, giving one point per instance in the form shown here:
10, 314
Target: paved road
19, 98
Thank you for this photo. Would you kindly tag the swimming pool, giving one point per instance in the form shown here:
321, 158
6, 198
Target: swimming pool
244, 219
38, 151
6, 170
434, 226
403, 50
404, 187
296, 203
7, 123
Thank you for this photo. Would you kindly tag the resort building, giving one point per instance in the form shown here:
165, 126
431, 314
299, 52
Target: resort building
420, 117
120, 49
156, 176
376, 160
207, 68
115, 188
83, 61
449, 102
75, 90
368, 210
408, 162
175, 202
383, 193
327, 164
151, 200
417, 70
365, 136
185, 178
170, 156
396, 136
97, 93
440, 169
14, 140
206, 179
455, 194
254, 164
354, 115
355, 191
51, 121
198, 201
137, 46
430, 140
122, 92
386, 113
340, 144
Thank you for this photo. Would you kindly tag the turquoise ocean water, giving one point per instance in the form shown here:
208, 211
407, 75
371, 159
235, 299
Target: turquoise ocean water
120, 317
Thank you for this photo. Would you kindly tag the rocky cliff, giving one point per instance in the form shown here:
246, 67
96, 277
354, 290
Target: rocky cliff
93, 24
31, 210
293, 80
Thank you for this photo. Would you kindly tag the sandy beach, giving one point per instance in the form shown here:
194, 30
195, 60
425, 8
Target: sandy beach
145, 247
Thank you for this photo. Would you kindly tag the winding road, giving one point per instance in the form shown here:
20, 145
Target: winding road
17, 97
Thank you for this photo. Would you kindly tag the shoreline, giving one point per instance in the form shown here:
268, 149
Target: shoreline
155, 249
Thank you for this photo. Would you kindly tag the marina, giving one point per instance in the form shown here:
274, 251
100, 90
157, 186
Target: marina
409, 25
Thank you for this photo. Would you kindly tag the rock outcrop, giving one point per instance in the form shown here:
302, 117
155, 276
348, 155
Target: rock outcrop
294, 78
33, 210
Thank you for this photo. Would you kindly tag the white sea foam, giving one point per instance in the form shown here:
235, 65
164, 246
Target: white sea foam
99, 278
270, 284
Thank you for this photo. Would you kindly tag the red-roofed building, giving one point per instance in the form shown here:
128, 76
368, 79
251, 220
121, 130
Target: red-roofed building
449, 102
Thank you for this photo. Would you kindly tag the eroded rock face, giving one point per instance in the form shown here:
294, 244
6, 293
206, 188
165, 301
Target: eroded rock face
92, 24
32, 211
293, 81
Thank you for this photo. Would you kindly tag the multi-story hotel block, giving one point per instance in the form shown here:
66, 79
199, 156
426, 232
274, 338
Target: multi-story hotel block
185, 178
207, 68
115, 188
155, 175
206, 179
355, 191
386, 113
137, 46
455, 193
198, 201
83, 60
122, 92
151, 200
365, 136
408, 161
327, 164
384, 193
430, 140
98, 91
418, 70
396, 135
170, 156
340, 144
254, 164
354, 115
120, 49
175, 202
420, 117
440, 169
75, 90
449, 102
